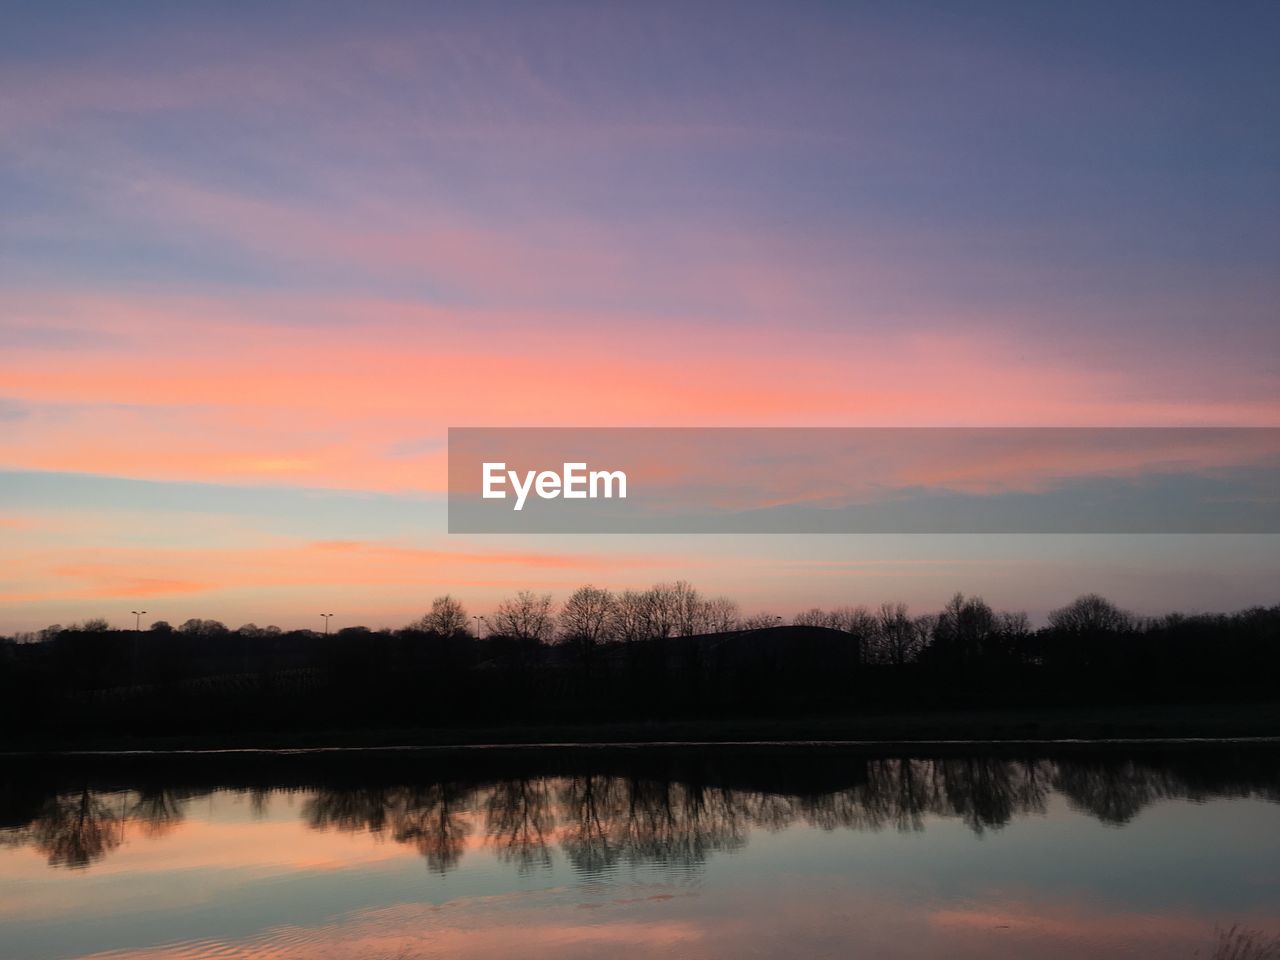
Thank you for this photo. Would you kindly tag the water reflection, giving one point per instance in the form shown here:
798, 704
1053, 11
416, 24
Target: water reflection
430, 818
492, 854
603, 811
73, 830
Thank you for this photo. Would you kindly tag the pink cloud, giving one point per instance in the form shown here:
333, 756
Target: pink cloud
42, 574
218, 390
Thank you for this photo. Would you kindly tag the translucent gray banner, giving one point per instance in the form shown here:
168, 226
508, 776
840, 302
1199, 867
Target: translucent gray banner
864, 480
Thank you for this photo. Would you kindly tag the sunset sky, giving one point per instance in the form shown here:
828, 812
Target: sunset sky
252, 269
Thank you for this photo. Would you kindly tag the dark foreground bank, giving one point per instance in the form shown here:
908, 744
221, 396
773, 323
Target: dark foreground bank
1161, 722
977, 678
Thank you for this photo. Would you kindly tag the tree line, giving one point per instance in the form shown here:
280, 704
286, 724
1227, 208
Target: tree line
663, 653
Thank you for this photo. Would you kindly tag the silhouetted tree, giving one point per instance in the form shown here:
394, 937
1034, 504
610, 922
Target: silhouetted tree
588, 616
196, 627
527, 616
964, 631
813, 617
587, 620
686, 607
682, 656
897, 641
720, 615
448, 618
631, 616
1090, 614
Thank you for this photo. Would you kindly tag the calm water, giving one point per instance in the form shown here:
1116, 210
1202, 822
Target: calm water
735, 853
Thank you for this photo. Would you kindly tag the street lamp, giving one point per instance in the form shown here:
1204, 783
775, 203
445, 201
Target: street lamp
479, 620
326, 622
137, 619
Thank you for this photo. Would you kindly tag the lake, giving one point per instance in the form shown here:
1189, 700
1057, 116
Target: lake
1046, 851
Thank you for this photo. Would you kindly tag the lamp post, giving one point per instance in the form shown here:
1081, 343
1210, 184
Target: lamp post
326, 622
133, 643
479, 620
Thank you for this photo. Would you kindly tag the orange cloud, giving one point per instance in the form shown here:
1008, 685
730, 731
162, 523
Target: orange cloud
223, 391
107, 572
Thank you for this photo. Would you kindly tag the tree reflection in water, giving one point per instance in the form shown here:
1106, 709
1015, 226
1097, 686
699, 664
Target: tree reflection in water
74, 829
432, 818
651, 814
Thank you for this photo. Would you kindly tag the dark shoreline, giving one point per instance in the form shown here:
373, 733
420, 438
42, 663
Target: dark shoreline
939, 730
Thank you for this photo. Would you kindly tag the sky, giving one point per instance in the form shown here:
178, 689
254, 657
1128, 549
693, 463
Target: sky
254, 263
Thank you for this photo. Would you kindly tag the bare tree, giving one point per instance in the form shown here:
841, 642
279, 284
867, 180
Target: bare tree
1015, 626
661, 611
588, 616
526, 616
760, 621
966, 629
720, 614
1090, 614
674, 610
447, 617
687, 607
896, 636
1015, 636
196, 627
859, 623
857, 620
631, 616
813, 617
924, 625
